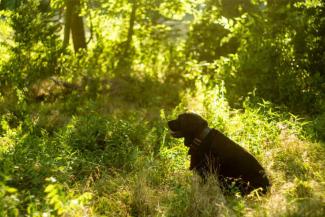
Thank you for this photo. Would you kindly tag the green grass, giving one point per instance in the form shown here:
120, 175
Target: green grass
107, 156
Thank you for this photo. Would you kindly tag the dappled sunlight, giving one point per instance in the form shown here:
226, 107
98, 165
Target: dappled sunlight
86, 93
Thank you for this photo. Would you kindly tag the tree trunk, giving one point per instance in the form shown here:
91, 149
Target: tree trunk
77, 28
67, 20
74, 24
125, 61
131, 27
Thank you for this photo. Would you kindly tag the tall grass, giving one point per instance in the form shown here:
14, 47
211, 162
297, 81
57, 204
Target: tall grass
103, 164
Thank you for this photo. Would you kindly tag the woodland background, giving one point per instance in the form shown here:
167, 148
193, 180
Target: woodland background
86, 88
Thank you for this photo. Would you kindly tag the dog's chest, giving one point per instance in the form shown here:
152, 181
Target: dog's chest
200, 155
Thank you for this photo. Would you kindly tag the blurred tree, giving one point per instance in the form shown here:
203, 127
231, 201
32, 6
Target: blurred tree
147, 28
35, 48
74, 24
124, 62
9, 4
206, 39
272, 48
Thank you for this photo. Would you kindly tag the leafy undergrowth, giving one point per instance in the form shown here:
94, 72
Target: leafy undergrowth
78, 158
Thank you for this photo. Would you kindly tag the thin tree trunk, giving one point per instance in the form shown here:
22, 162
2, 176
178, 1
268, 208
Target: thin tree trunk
124, 62
131, 26
77, 28
67, 20
74, 24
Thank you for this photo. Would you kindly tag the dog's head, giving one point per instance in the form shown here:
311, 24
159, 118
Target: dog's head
187, 125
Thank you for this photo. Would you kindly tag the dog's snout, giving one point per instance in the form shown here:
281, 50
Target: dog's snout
173, 125
175, 128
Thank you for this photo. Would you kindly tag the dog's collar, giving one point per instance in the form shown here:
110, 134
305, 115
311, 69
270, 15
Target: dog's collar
198, 140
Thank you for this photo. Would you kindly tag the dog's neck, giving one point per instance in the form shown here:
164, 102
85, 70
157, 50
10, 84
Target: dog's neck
198, 139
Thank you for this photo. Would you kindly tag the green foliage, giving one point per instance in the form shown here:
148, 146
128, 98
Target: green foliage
276, 50
116, 143
85, 134
65, 204
206, 39
8, 200
36, 46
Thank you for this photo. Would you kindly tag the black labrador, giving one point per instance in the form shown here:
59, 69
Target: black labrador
214, 153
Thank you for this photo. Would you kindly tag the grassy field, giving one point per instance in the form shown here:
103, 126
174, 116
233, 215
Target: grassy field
112, 155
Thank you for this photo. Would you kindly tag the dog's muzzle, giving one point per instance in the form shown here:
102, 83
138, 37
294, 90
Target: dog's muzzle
174, 129
176, 134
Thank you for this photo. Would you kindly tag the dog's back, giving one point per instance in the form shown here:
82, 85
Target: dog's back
232, 161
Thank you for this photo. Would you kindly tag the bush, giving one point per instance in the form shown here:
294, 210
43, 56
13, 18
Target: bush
106, 141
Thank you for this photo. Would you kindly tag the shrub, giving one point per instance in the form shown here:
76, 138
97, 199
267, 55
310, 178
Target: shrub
106, 142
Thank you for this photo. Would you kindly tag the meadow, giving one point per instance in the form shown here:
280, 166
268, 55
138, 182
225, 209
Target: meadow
101, 160
83, 130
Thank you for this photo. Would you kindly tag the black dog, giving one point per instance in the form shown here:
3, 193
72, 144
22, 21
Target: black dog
213, 152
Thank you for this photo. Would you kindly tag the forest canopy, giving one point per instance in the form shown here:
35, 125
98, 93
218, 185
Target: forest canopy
86, 88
